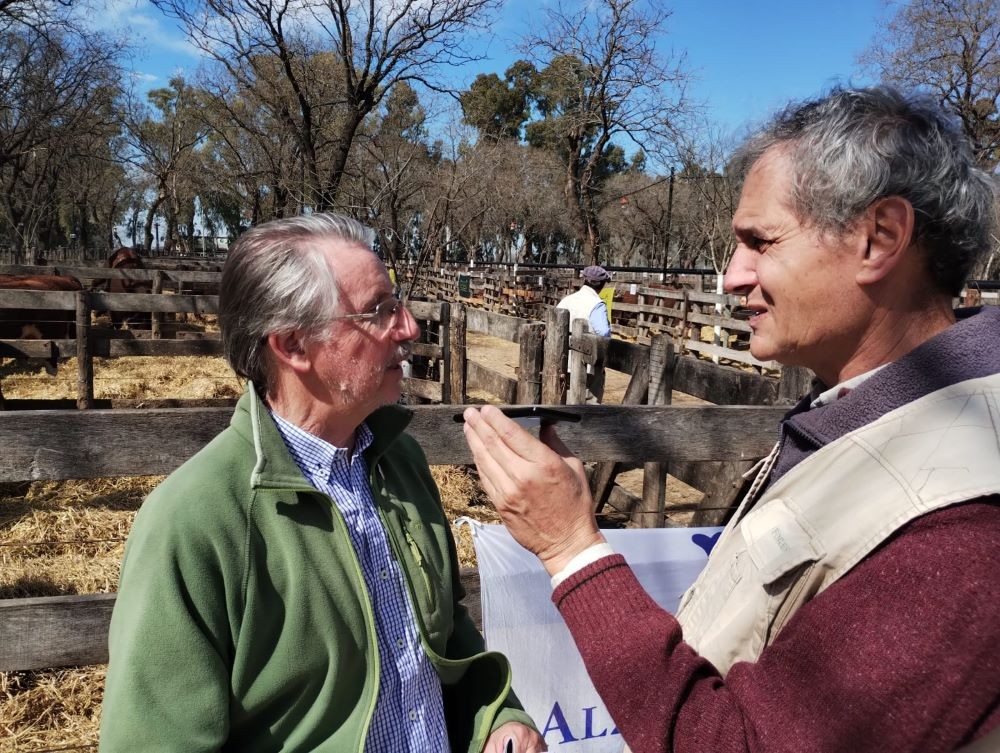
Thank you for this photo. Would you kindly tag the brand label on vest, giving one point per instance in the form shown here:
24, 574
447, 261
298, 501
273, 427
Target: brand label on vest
777, 540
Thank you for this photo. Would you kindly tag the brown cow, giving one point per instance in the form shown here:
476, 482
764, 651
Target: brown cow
126, 258
38, 324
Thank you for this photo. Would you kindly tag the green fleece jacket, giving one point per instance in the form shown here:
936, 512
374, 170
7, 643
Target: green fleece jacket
243, 622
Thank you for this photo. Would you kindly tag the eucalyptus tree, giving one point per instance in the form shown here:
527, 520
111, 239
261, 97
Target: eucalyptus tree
164, 135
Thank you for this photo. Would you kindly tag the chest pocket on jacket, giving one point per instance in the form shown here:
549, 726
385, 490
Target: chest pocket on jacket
782, 549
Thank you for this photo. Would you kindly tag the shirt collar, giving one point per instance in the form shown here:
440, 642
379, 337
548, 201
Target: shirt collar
844, 388
311, 453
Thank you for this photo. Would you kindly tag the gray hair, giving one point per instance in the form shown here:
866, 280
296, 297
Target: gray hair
276, 279
855, 146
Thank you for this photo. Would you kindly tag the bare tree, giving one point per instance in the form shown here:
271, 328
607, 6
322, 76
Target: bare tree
603, 79
709, 194
952, 49
370, 46
58, 110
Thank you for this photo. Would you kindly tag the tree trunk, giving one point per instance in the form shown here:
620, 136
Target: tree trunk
342, 151
147, 230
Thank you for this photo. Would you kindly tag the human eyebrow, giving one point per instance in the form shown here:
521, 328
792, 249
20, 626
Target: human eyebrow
754, 237
374, 302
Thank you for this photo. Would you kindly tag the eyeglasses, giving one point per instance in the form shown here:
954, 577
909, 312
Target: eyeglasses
385, 314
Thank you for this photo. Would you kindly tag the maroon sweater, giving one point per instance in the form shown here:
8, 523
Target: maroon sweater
901, 654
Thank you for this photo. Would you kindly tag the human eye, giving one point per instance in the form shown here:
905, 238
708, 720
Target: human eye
760, 245
386, 310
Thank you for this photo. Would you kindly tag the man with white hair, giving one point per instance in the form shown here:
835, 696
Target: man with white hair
294, 586
852, 604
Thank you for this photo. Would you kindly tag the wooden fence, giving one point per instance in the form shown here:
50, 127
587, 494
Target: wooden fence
91, 342
47, 632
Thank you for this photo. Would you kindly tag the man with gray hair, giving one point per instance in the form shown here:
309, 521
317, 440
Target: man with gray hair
294, 586
852, 603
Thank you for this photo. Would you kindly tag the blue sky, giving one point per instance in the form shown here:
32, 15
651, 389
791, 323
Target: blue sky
749, 57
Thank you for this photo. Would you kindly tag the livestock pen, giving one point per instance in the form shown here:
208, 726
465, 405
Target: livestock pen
35, 446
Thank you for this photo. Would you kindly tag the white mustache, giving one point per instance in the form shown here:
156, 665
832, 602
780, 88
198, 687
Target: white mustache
402, 353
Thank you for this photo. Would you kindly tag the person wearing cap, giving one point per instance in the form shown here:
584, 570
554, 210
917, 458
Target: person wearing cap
587, 304
852, 604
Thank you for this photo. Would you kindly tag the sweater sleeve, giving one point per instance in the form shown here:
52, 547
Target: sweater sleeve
899, 654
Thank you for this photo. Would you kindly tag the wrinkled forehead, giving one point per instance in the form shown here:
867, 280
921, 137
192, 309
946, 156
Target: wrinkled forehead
767, 191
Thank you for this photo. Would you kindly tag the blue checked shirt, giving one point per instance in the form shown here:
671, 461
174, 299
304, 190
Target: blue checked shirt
409, 710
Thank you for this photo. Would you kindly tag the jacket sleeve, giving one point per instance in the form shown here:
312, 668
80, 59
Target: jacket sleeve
167, 686
879, 661
600, 321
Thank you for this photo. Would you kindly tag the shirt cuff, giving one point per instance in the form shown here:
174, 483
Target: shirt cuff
591, 554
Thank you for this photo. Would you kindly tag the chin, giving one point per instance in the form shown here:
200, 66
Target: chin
761, 350
392, 390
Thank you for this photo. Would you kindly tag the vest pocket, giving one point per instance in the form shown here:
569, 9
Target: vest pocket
777, 540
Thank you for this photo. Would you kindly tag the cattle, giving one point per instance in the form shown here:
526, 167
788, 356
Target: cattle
41, 324
126, 258
38, 324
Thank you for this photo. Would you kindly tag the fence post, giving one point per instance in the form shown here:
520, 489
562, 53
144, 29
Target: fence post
641, 321
459, 363
84, 356
556, 353
654, 477
529, 383
444, 340
795, 382
157, 316
683, 325
577, 365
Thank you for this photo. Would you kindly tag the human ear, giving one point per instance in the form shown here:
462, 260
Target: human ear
888, 227
289, 349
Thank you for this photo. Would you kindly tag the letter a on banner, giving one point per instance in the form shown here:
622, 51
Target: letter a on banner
520, 620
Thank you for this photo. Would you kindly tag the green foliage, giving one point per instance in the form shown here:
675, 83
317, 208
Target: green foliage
499, 107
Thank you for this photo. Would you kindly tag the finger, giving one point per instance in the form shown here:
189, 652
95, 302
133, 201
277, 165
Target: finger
486, 464
490, 437
495, 473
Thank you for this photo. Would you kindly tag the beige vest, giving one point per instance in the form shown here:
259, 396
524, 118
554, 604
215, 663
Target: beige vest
580, 304
831, 510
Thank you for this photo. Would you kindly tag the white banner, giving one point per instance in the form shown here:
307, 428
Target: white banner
520, 620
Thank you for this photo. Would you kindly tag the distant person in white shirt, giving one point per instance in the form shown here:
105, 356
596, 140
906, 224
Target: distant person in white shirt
587, 304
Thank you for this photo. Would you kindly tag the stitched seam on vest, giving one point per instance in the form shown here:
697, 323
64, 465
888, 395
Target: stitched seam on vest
917, 502
589, 578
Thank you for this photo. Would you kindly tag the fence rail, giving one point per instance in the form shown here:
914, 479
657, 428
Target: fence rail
72, 630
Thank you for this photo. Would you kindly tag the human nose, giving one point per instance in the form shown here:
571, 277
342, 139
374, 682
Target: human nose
741, 273
406, 327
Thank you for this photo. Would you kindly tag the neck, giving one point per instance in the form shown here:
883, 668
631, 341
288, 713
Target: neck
333, 426
889, 335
